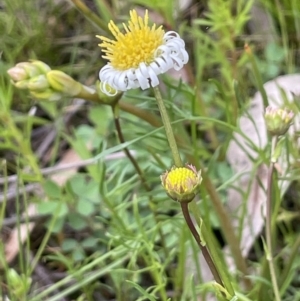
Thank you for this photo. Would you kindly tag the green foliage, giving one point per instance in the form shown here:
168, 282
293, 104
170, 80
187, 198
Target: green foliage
99, 225
165, 8
271, 65
18, 284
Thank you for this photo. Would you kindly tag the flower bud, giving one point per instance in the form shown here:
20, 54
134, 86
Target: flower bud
182, 183
38, 83
25, 71
17, 73
48, 94
61, 82
30, 70
34, 68
278, 120
23, 84
41, 66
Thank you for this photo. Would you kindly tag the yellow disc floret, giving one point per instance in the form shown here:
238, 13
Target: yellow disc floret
137, 45
182, 183
180, 178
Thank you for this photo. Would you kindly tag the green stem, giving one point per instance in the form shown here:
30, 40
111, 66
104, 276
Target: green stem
206, 254
269, 225
178, 163
214, 143
213, 249
284, 31
151, 119
25, 147
3, 165
140, 173
143, 114
291, 258
257, 75
87, 270
226, 225
168, 127
184, 206
126, 151
91, 95
80, 5
156, 275
44, 242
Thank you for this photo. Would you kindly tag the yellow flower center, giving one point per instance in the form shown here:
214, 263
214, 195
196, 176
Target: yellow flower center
136, 45
181, 179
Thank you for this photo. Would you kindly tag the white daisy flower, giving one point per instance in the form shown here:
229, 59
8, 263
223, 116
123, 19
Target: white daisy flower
139, 55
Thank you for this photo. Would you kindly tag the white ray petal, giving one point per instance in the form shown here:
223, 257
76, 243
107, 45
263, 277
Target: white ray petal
171, 54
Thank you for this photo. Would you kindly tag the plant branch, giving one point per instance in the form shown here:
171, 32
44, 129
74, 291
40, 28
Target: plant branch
213, 248
139, 172
205, 252
91, 95
126, 151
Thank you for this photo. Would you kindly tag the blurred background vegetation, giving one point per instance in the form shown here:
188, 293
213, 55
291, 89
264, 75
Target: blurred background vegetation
95, 233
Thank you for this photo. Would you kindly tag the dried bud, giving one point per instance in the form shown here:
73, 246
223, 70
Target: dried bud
61, 82
278, 120
182, 183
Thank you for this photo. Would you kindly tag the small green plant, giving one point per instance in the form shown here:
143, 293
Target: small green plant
90, 168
